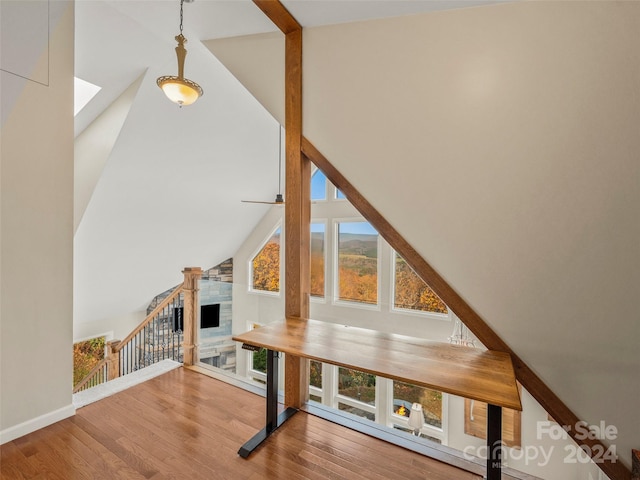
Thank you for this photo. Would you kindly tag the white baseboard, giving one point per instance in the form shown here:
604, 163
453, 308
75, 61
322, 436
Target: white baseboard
37, 423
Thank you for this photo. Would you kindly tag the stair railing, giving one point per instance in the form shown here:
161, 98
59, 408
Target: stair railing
166, 333
158, 337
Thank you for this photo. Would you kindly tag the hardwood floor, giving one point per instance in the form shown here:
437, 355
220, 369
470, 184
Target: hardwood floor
186, 425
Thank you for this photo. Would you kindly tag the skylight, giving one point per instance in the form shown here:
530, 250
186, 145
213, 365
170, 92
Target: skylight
83, 92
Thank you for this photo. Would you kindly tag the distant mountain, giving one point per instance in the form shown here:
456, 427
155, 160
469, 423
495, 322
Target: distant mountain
359, 244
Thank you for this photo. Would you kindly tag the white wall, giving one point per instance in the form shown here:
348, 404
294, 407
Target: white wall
502, 142
115, 328
37, 238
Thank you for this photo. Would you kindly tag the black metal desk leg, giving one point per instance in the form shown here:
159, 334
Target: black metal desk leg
272, 391
494, 442
273, 419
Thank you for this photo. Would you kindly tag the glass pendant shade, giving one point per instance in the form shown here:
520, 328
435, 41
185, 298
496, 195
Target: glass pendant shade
180, 90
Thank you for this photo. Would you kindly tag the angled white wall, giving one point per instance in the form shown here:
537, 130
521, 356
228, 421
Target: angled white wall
37, 238
264, 76
93, 146
502, 142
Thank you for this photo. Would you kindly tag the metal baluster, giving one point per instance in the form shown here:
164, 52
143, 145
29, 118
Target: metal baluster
165, 344
148, 346
159, 329
172, 330
172, 326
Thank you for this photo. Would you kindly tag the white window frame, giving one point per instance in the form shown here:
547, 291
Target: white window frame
336, 300
324, 222
352, 402
383, 408
334, 195
251, 373
393, 418
264, 242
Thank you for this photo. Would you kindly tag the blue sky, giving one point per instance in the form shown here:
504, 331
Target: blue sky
318, 186
357, 227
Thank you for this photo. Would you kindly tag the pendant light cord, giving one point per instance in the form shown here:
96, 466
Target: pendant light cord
181, 3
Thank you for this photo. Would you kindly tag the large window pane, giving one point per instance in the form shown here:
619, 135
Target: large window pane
357, 262
404, 395
317, 259
412, 293
266, 266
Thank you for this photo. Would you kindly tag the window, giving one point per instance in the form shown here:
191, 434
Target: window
265, 266
412, 293
357, 393
258, 362
340, 195
317, 259
318, 186
315, 381
404, 395
357, 262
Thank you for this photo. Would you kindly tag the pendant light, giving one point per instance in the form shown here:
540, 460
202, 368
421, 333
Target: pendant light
178, 89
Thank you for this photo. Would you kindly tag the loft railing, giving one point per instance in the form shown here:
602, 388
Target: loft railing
157, 338
166, 333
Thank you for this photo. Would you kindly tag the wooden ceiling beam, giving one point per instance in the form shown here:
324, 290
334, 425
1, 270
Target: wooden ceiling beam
279, 15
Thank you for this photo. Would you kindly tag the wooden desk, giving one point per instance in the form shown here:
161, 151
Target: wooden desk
482, 375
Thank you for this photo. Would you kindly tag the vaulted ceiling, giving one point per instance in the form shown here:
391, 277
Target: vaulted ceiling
166, 183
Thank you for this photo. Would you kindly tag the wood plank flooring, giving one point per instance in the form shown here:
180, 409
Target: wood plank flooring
186, 425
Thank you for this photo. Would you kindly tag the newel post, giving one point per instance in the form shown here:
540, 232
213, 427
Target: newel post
113, 360
191, 283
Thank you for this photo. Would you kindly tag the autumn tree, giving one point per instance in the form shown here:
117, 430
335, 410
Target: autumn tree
266, 268
411, 292
86, 355
317, 274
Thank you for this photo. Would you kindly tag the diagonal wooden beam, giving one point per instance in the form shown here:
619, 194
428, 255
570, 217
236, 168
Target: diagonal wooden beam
525, 375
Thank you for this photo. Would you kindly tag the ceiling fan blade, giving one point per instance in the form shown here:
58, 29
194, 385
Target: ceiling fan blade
278, 201
259, 201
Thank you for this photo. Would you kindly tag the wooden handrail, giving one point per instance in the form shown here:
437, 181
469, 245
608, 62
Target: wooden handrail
176, 291
90, 375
